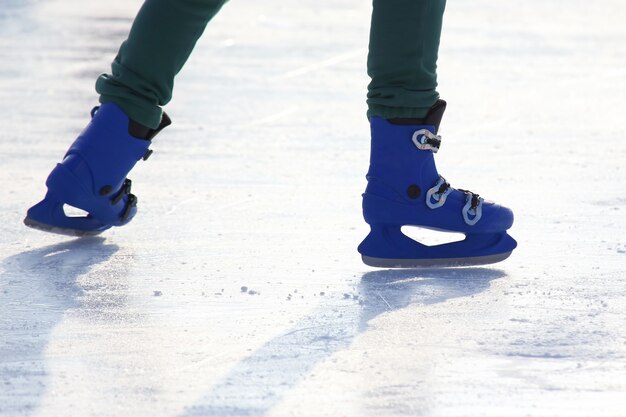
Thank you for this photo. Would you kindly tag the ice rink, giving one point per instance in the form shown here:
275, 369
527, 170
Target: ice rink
238, 290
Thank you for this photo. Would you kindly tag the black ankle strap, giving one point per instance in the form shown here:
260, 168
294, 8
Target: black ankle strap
433, 117
140, 131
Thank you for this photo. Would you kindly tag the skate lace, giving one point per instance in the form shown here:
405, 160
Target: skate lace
437, 196
426, 140
472, 210
473, 198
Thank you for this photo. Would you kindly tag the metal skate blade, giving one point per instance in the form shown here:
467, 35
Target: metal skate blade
434, 263
59, 230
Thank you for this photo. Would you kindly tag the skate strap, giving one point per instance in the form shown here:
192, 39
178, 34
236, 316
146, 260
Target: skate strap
426, 140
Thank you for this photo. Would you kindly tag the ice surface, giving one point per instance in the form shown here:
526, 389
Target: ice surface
257, 185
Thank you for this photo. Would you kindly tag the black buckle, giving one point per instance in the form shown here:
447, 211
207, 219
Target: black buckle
474, 198
124, 190
130, 203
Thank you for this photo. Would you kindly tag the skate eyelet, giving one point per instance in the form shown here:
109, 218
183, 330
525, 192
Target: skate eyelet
426, 140
473, 209
437, 195
147, 154
413, 191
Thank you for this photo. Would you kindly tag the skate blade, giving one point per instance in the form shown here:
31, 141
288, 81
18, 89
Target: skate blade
34, 224
435, 263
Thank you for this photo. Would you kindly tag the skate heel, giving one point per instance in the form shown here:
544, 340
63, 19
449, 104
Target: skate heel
48, 215
65, 187
388, 241
382, 210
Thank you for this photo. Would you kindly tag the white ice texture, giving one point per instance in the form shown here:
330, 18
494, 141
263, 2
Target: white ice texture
238, 291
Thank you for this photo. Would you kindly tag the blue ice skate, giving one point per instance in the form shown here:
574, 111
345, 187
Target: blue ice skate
92, 176
404, 188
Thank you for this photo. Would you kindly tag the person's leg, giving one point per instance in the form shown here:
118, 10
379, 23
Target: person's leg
92, 175
402, 60
161, 39
403, 184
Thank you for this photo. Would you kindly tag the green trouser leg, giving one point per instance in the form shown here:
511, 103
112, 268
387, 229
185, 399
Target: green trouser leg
402, 60
160, 41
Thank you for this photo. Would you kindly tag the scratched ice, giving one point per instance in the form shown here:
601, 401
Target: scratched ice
257, 184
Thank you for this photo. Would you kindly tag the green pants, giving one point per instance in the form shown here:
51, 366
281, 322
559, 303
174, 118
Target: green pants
402, 60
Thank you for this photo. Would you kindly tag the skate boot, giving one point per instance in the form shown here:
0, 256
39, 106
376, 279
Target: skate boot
92, 176
404, 188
